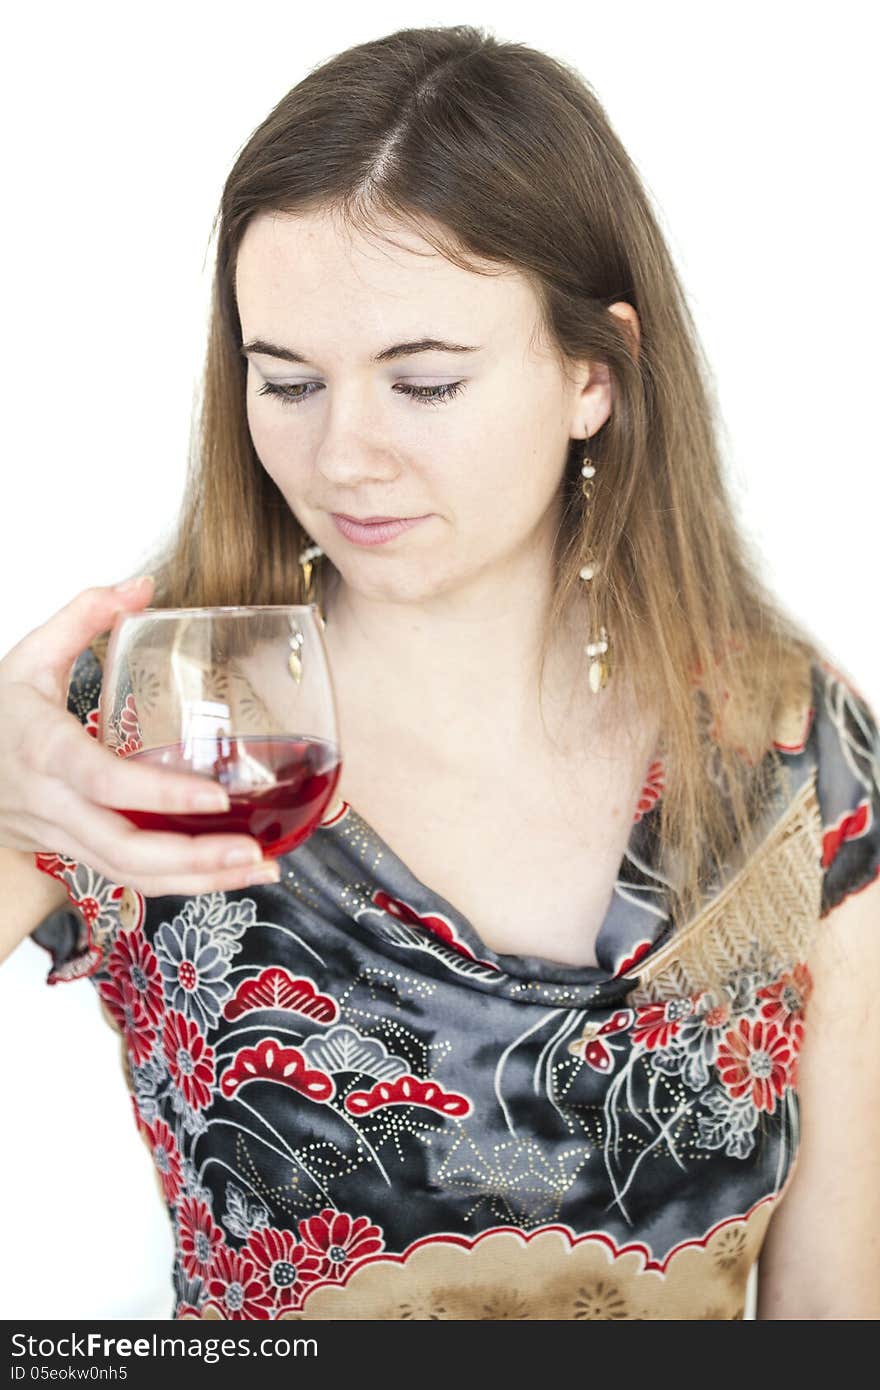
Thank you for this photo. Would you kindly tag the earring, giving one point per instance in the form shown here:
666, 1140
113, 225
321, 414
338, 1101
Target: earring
598, 649
307, 557
297, 642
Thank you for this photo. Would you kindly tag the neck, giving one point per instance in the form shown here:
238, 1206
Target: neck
466, 660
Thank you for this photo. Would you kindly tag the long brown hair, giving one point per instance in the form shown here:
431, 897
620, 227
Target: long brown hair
495, 151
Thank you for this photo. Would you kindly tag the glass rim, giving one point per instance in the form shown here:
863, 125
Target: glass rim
237, 610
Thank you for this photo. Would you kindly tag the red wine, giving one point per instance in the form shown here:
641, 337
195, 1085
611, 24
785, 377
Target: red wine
279, 787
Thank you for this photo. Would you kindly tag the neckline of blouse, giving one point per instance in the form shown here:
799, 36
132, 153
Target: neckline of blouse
636, 922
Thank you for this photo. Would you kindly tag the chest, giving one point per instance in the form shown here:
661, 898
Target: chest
528, 852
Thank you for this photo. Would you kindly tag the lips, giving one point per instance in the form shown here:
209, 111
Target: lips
375, 532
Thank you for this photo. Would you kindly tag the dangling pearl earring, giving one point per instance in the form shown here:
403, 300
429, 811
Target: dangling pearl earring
599, 648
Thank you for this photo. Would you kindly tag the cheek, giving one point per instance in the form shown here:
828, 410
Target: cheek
268, 438
508, 490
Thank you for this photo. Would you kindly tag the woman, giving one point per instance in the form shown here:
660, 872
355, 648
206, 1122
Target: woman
521, 1029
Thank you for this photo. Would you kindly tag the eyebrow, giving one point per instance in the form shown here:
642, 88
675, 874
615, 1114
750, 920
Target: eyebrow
264, 349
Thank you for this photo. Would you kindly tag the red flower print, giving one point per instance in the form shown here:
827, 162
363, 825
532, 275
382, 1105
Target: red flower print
716, 1015
626, 965
408, 1090
339, 1240
795, 1038
850, 826
138, 1117
652, 789
289, 1267
432, 922
787, 998
54, 864
657, 1024
89, 907
590, 1047
166, 1158
237, 1285
276, 988
127, 1008
127, 730
134, 959
270, 1061
190, 1060
756, 1059
198, 1237
91, 724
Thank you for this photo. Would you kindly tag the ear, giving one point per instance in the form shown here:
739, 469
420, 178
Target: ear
592, 403
595, 400
630, 321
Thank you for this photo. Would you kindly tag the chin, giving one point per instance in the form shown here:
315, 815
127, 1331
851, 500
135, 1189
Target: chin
405, 582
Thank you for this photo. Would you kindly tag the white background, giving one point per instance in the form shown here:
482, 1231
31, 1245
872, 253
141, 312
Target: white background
754, 128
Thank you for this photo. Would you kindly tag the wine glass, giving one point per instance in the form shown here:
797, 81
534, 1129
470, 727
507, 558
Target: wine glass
239, 695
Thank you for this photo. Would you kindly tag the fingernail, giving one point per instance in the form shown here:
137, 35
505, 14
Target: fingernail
243, 856
128, 586
210, 801
270, 874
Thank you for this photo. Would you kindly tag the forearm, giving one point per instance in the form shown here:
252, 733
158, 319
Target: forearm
27, 895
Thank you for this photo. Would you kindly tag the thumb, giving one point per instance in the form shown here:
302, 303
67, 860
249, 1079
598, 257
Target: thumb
45, 655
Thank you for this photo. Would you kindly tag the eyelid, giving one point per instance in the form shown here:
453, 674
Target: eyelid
288, 381
433, 378
434, 393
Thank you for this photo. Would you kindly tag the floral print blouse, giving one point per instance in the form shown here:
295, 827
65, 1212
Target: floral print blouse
356, 1109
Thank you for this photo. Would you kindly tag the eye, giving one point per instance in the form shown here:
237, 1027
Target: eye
284, 392
431, 395
427, 395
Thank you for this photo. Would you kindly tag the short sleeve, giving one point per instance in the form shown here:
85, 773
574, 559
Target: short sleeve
847, 785
79, 937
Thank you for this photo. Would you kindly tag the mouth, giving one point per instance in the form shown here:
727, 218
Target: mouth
369, 520
375, 530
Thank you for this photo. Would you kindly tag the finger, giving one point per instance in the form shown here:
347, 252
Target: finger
193, 885
45, 655
120, 850
165, 884
157, 887
63, 751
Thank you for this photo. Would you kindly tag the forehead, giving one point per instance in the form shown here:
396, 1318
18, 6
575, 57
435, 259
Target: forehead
314, 269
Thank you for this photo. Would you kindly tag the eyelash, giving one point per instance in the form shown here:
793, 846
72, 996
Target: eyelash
426, 395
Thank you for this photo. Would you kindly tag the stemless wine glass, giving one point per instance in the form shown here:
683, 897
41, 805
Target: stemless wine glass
240, 695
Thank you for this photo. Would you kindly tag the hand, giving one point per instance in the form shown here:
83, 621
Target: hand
58, 784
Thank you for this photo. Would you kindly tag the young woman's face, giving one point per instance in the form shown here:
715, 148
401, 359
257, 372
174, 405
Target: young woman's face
346, 430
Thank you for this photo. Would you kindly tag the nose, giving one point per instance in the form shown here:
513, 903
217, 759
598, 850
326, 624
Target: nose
350, 468
349, 458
